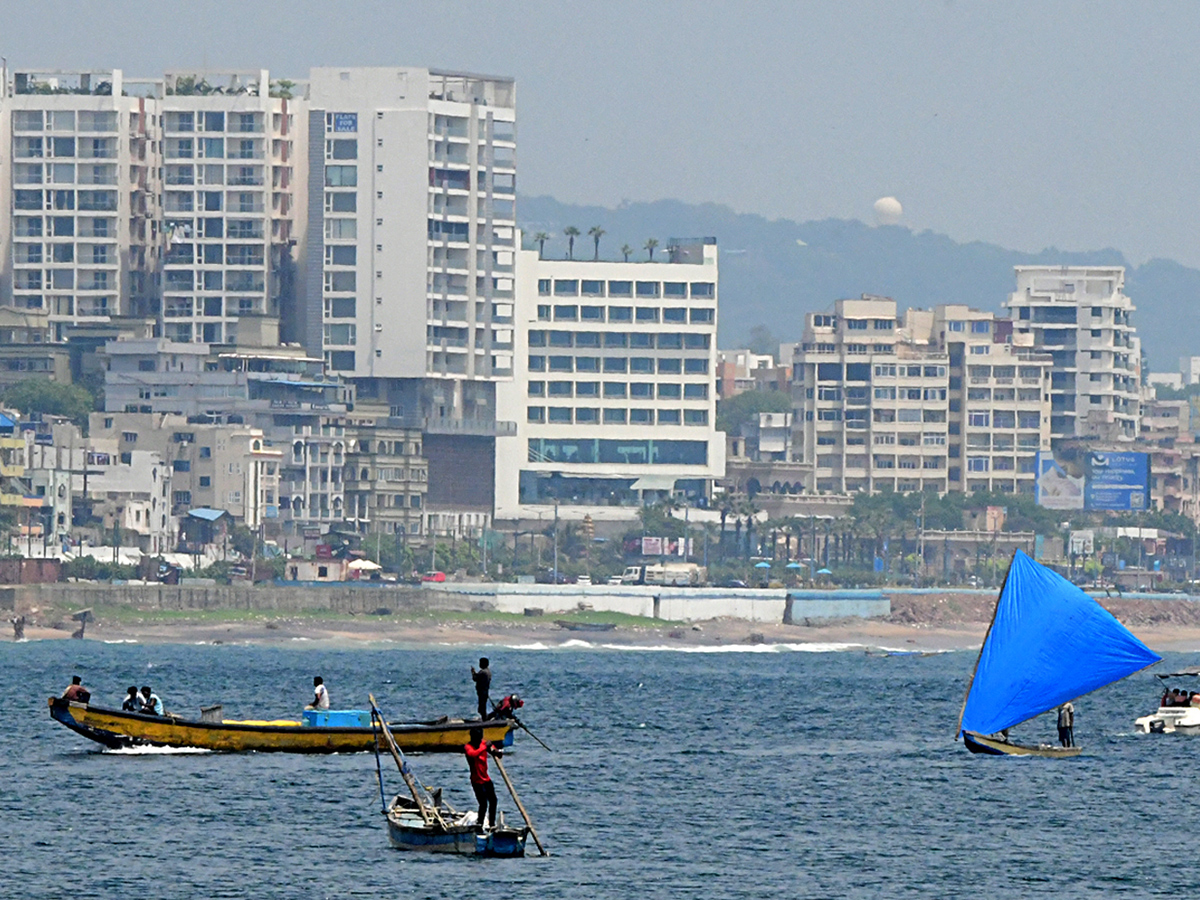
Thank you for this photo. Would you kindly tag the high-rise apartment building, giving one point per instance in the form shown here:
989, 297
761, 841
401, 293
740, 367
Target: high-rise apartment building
230, 174
1081, 316
941, 400
78, 191
614, 393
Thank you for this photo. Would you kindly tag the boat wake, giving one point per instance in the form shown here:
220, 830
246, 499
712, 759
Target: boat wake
154, 751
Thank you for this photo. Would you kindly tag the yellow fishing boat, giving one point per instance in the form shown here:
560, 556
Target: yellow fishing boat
323, 731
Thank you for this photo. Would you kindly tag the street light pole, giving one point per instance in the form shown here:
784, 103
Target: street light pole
556, 541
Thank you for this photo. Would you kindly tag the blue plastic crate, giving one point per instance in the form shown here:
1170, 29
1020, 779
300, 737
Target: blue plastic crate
337, 718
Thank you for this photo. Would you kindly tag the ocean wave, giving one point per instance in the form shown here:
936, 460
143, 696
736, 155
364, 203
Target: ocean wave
576, 644
125, 641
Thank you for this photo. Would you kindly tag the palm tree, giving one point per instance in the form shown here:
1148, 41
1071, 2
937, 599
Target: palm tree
596, 232
625, 251
540, 239
649, 247
571, 232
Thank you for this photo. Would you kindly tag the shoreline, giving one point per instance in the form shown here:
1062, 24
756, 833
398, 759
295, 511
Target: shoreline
727, 634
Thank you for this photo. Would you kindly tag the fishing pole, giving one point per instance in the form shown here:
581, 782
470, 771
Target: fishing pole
378, 768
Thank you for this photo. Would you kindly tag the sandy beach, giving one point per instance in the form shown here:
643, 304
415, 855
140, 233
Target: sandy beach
931, 627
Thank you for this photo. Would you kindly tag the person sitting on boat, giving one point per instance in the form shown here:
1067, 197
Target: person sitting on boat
132, 703
483, 685
1194, 699
76, 691
320, 694
151, 704
1066, 725
506, 708
485, 792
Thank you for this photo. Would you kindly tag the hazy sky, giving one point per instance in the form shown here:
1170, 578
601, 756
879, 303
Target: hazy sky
1026, 124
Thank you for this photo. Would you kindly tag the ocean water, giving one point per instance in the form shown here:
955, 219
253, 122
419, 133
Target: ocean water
773, 773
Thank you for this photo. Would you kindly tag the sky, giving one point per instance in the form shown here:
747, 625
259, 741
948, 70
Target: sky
1070, 124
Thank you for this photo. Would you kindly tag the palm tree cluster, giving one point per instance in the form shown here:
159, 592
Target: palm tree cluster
595, 233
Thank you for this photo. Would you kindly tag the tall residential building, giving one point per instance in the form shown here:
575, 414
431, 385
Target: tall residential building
230, 170
938, 400
614, 388
78, 193
1081, 317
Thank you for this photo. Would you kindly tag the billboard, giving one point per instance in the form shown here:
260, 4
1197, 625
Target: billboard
1093, 479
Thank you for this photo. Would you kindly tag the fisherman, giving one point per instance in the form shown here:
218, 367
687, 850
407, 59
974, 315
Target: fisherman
131, 704
76, 691
483, 685
18, 624
1066, 725
151, 704
485, 792
506, 708
320, 694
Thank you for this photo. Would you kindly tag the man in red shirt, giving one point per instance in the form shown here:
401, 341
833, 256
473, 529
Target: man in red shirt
485, 792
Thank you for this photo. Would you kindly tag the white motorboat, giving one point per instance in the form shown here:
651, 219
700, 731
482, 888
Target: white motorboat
1173, 717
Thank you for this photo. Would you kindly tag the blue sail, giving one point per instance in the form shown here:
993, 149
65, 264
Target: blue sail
1049, 643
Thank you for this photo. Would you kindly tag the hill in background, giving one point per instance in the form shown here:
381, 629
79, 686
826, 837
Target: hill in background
773, 272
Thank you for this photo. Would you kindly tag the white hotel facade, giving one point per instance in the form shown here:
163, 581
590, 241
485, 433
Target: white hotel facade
613, 385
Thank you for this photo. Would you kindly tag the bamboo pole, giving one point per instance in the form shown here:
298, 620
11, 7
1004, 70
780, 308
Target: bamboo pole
517, 800
429, 816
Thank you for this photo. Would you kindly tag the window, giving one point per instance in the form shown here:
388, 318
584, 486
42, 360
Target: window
614, 417
979, 419
341, 149
648, 289
587, 389
856, 324
615, 313
674, 314
592, 288
561, 388
695, 417
543, 312
669, 391
701, 316
587, 339
670, 341
695, 392
562, 364
566, 287
641, 416
557, 339
615, 390
705, 290
181, 465
615, 364
206, 452
669, 367
981, 327
341, 201
537, 389
560, 414
977, 463
537, 364
566, 313
980, 349
696, 341
700, 367
543, 287
205, 481
341, 176
129, 437
620, 289
535, 414
668, 417
647, 314
587, 415
640, 390
591, 313
587, 364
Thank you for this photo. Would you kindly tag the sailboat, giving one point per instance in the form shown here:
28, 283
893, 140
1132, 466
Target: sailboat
1048, 643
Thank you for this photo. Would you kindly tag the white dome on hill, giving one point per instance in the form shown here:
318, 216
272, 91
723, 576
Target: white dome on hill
888, 211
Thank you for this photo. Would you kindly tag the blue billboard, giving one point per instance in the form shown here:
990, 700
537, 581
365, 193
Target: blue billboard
1093, 479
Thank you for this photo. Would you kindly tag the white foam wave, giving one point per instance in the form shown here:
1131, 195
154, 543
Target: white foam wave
576, 644
123, 641
156, 751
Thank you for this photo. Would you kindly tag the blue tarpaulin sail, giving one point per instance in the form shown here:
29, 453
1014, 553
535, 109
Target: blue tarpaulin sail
1049, 643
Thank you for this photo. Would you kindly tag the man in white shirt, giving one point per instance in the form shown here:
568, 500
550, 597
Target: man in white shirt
320, 694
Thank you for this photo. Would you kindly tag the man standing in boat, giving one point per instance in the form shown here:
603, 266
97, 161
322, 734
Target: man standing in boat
481, 782
320, 694
483, 685
1066, 725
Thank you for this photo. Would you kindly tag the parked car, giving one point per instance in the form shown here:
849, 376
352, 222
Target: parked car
734, 583
584, 579
614, 579
434, 576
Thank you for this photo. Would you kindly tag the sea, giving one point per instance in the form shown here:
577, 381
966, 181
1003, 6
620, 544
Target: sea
728, 772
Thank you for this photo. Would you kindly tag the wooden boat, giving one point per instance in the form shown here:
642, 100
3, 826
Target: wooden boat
407, 830
423, 822
1048, 643
584, 626
117, 730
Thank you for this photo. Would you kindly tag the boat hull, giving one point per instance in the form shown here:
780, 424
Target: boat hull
117, 730
407, 832
1171, 720
987, 746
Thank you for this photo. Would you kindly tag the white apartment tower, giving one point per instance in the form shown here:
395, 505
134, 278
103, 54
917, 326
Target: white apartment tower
411, 227
1081, 316
78, 184
229, 167
614, 389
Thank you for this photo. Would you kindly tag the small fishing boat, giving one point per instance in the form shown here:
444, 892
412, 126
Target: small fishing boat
320, 731
584, 626
425, 823
1173, 716
1048, 643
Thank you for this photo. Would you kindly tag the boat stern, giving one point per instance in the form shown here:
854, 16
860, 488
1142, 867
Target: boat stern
1171, 720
